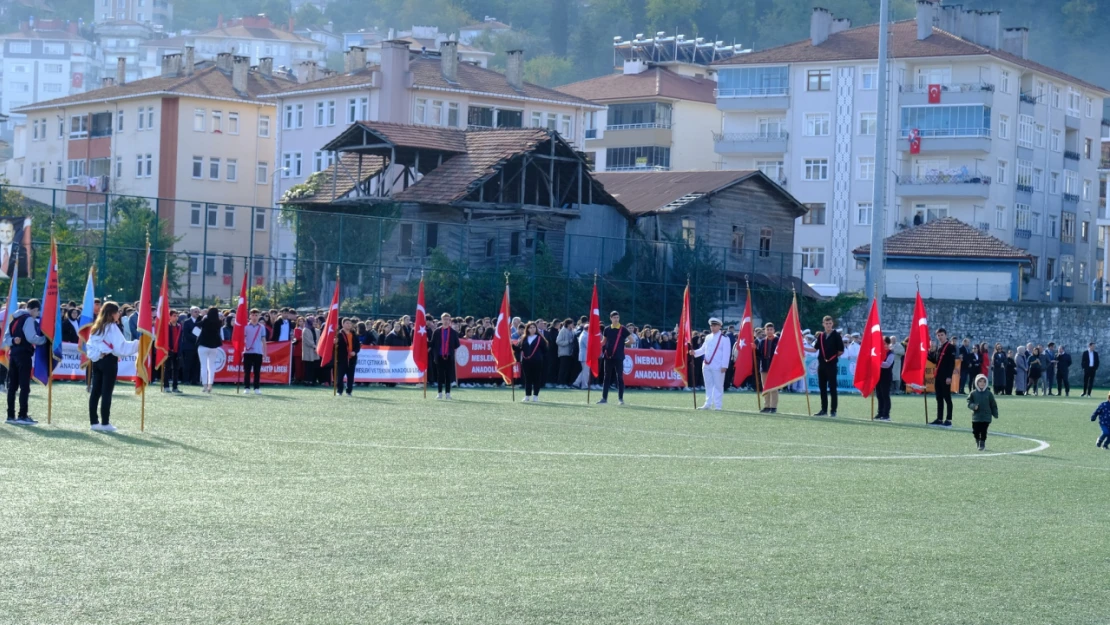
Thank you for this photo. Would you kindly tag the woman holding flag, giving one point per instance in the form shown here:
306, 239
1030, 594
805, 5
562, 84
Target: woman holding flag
106, 345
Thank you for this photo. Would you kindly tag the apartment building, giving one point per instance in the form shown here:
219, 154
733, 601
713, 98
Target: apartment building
1003, 143
257, 38
658, 117
430, 89
125, 38
198, 137
154, 12
45, 60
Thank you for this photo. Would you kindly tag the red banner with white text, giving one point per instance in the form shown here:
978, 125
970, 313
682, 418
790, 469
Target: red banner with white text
474, 361
651, 368
276, 364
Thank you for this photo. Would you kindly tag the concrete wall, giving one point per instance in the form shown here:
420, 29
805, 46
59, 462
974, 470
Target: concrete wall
1009, 323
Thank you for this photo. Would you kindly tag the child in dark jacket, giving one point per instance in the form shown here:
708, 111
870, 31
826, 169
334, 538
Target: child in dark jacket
983, 410
1102, 413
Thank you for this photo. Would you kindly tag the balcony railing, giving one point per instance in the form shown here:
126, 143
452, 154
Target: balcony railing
1071, 197
958, 87
639, 168
662, 125
948, 132
1022, 233
718, 137
1025, 188
591, 133
1071, 156
1104, 163
752, 93
1028, 99
946, 177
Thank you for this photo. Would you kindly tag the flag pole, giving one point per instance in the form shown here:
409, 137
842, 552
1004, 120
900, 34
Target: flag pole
924, 388
690, 375
801, 356
142, 413
242, 365
512, 380
88, 378
755, 352
425, 334
587, 361
50, 351
335, 344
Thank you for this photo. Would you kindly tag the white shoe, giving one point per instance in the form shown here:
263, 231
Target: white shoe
527, 399
448, 397
108, 428
535, 399
257, 391
96, 427
704, 407
246, 391
716, 407
439, 396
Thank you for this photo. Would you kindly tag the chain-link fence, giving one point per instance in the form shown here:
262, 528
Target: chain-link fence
292, 256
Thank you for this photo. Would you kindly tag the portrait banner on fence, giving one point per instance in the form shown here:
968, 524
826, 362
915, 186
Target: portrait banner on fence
474, 361
275, 364
15, 245
387, 364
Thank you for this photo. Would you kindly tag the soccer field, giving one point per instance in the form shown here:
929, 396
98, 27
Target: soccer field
297, 507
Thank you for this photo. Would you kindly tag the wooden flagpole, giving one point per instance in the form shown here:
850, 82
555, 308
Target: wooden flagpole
335, 344
88, 367
425, 334
755, 352
924, 387
689, 370
589, 373
512, 378
146, 357
801, 356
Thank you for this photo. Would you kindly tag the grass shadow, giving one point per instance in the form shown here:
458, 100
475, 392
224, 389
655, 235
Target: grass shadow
59, 433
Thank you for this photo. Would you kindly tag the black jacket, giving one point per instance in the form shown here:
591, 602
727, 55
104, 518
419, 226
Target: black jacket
829, 347
612, 346
945, 360
275, 333
533, 352
1063, 363
1084, 361
211, 334
69, 331
188, 339
767, 349
342, 346
437, 343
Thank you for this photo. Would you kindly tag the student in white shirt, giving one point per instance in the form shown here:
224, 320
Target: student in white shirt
105, 347
715, 353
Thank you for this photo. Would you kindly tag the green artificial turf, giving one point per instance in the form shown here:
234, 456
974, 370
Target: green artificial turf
297, 507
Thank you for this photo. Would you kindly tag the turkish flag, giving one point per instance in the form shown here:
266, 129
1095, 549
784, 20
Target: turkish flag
788, 366
146, 331
682, 338
745, 346
420, 333
915, 141
872, 352
593, 338
239, 330
917, 347
162, 322
325, 346
934, 94
503, 341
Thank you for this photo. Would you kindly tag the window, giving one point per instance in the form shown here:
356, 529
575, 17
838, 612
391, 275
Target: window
1085, 231
419, 113
867, 124
214, 168
514, 244
737, 238
772, 127
732, 294
1003, 167
566, 127
1057, 102
294, 118
631, 116
1086, 195
1052, 221
746, 82
818, 80
689, 232
259, 219
765, 242
213, 215
452, 114
869, 78
1024, 176
1067, 228
552, 121
1022, 217
119, 121
1004, 82
1003, 126
1089, 105
866, 169
78, 127
1025, 131
436, 118
1073, 102
817, 124
1054, 183
358, 109
232, 123
198, 166
52, 87
816, 169
19, 47
264, 125
647, 157
262, 172
1000, 217
1087, 149
1038, 179
971, 120
210, 265
1056, 144
1071, 183
291, 162
229, 265
933, 76
217, 121
775, 170
813, 258
229, 217
119, 167
330, 112
815, 216
863, 213
932, 212
232, 170
1082, 272
198, 120
1038, 136
194, 264
321, 160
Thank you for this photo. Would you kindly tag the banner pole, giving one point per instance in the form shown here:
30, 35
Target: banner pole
335, 345
425, 383
50, 385
142, 414
797, 329
755, 352
872, 406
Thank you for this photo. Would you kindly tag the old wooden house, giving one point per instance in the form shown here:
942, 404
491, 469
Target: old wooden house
492, 198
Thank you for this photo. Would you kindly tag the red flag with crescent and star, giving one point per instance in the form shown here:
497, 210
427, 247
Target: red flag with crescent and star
745, 346
915, 141
420, 332
872, 353
934, 94
502, 346
788, 365
593, 338
917, 347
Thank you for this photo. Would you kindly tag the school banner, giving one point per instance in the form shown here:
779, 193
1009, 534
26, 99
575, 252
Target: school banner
846, 371
276, 364
474, 361
69, 369
387, 364
651, 368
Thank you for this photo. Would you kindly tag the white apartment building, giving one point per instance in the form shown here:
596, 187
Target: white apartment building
1006, 144
154, 12
46, 61
257, 38
406, 87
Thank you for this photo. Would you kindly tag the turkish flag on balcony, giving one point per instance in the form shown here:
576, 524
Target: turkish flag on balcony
934, 94
915, 141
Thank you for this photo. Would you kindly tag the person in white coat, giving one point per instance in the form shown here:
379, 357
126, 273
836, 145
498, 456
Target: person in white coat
105, 347
714, 353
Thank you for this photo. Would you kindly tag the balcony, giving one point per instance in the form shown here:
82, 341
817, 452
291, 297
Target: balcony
955, 93
664, 126
1071, 197
1027, 104
955, 183
770, 99
639, 168
1071, 156
941, 140
1071, 120
591, 133
750, 143
1104, 163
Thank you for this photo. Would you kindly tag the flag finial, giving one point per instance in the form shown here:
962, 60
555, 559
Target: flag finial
506, 278
917, 281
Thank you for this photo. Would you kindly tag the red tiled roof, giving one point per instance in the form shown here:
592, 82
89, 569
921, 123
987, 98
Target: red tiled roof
485, 151
426, 71
239, 31
338, 180
206, 81
42, 34
420, 137
947, 238
359, 78
644, 193
863, 43
656, 82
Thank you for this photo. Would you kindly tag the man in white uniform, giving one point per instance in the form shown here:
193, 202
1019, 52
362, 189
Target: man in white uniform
715, 353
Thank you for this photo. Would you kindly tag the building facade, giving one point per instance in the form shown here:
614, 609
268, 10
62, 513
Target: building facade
154, 12
1005, 143
46, 61
196, 142
256, 37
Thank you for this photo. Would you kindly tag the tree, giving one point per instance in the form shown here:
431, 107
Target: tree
308, 16
549, 71
120, 263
